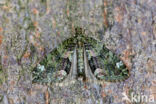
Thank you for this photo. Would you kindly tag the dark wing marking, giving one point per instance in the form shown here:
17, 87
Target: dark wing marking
2, 74
105, 65
56, 65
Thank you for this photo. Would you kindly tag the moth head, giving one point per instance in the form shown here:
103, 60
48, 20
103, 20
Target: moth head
78, 31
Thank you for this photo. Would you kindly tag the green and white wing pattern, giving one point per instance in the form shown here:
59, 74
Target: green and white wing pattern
96, 62
55, 66
105, 65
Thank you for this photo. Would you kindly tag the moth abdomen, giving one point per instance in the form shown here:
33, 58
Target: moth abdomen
80, 60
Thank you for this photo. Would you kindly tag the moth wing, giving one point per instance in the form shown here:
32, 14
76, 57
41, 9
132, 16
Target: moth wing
105, 64
55, 66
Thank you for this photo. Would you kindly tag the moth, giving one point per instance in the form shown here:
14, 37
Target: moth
80, 58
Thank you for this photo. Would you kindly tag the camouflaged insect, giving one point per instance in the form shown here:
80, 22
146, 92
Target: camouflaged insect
80, 57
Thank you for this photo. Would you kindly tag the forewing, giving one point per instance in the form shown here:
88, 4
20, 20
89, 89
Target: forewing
105, 64
55, 66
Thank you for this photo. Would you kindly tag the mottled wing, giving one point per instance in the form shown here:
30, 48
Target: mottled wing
55, 66
105, 64
2, 74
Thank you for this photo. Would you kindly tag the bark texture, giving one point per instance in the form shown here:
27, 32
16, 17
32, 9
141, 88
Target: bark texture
31, 28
